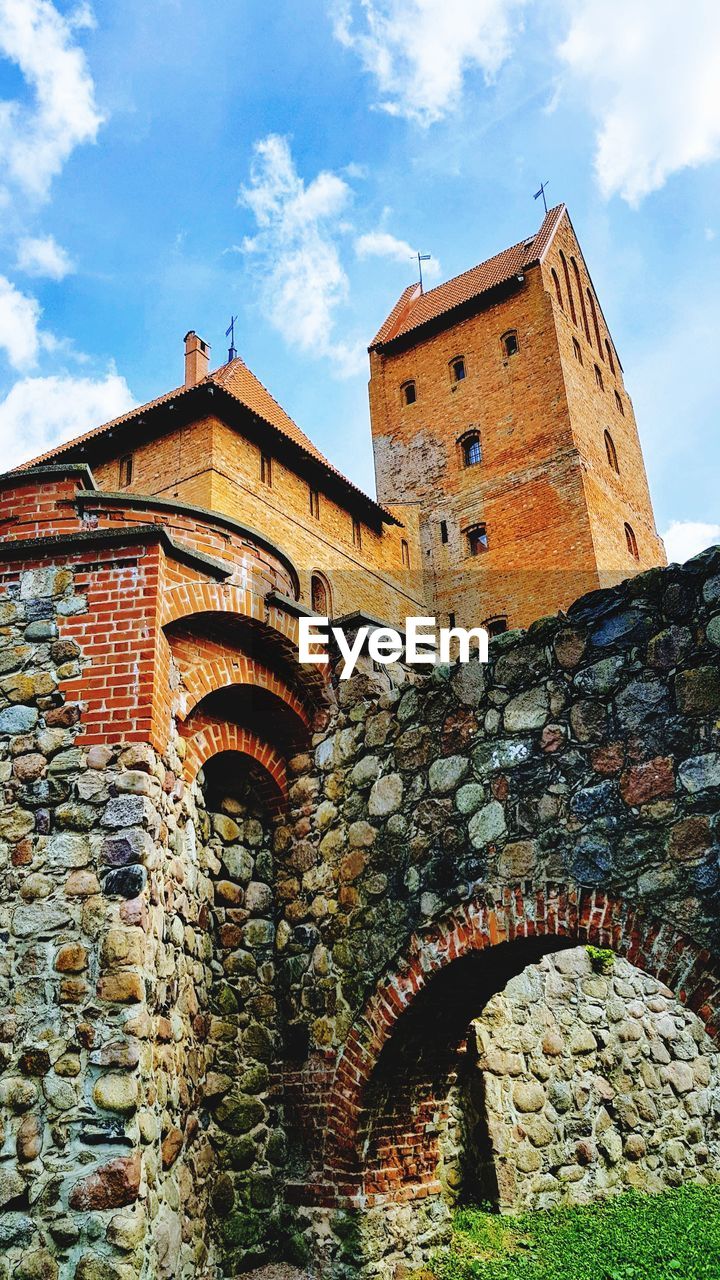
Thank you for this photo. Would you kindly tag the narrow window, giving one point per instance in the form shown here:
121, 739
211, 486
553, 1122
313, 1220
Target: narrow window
599, 377
477, 539
409, 393
443, 531
577, 351
619, 404
596, 326
357, 534
314, 503
496, 626
611, 362
320, 595
457, 369
556, 282
405, 553
611, 452
472, 449
568, 286
586, 326
266, 469
126, 470
451, 620
510, 343
631, 541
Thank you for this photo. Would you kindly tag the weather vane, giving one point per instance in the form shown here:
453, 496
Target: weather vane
541, 192
422, 257
230, 333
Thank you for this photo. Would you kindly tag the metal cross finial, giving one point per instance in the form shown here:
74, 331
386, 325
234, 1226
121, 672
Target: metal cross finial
541, 192
422, 257
230, 333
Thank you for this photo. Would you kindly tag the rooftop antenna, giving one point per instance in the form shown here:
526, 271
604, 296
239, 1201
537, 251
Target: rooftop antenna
541, 192
422, 257
230, 333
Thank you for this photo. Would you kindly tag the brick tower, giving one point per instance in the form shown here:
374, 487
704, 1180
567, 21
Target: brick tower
498, 406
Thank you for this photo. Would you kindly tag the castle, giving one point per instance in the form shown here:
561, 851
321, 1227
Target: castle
253, 917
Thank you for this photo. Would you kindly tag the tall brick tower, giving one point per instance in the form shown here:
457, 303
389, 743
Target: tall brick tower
498, 406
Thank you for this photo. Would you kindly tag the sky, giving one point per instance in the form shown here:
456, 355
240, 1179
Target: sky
166, 165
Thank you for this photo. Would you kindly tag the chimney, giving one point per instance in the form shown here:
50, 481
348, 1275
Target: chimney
197, 358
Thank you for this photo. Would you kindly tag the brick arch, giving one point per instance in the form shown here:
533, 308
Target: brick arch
223, 670
569, 913
212, 737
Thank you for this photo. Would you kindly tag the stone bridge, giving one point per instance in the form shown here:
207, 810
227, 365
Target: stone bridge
291, 966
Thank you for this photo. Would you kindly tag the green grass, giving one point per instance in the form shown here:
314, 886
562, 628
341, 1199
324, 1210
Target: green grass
674, 1236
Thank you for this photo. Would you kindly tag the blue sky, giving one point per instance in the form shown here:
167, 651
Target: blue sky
164, 165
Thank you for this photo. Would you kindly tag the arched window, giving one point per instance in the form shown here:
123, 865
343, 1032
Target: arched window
586, 326
471, 449
477, 539
457, 369
611, 362
619, 404
611, 452
577, 351
496, 626
510, 343
405, 553
599, 377
631, 541
596, 326
409, 392
568, 286
320, 595
558, 292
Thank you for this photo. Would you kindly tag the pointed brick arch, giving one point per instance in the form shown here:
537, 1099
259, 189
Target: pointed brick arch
205, 673
212, 737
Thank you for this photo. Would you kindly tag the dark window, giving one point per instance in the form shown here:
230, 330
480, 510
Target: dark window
357, 534
443, 531
405, 553
631, 541
568, 286
472, 449
477, 539
596, 326
611, 452
599, 377
125, 470
586, 326
510, 343
320, 595
409, 393
577, 351
556, 282
314, 504
496, 626
451, 619
266, 468
619, 404
457, 369
611, 362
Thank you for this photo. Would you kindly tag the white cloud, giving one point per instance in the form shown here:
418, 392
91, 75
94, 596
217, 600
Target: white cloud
685, 538
651, 75
35, 141
419, 51
380, 244
19, 316
303, 280
39, 413
43, 256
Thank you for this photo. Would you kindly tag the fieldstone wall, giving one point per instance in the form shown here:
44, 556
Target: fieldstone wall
590, 1077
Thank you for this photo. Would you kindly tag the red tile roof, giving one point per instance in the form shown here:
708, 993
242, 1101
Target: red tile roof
414, 308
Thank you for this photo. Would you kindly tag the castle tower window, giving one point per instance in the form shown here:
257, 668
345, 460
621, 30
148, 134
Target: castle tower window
599, 377
443, 531
577, 351
409, 393
619, 404
611, 362
611, 452
510, 343
568, 286
556, 282
357, 534
457, 369
266, 469
405, 553
496, 626
477, 539
314, 503
631, 541
471, 449
586, 326
596, 326
125, 471
320, 596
